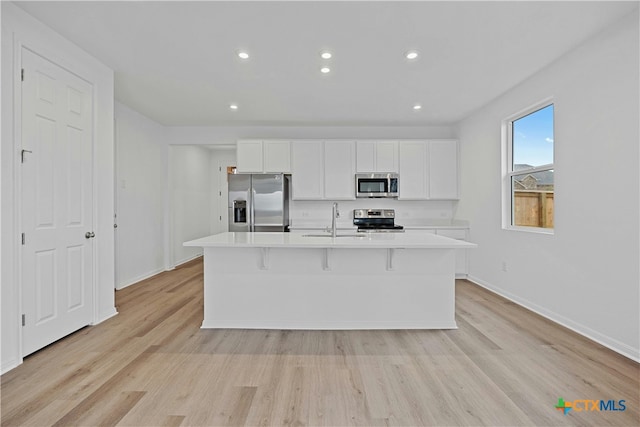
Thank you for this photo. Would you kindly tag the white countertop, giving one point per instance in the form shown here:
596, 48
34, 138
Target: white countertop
439, 224
348, 240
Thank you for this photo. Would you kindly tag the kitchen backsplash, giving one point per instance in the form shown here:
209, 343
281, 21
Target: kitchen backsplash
318, 213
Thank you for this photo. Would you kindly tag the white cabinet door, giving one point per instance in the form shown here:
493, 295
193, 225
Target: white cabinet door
307, 170
377, 156
386, 156
339, 170
277, 156
443, 169
366, 156
413, 172
249, 156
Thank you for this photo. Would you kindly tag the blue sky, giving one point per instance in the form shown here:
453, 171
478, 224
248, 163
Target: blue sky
533, 138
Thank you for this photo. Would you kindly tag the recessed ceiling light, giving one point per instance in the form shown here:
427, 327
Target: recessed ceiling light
412, 54
243, 55
325, 70
326, 55
417, 107
233, 106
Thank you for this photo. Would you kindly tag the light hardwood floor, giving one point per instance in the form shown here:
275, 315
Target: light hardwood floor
152, 366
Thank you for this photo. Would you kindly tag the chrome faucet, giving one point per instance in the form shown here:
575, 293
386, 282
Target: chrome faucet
334, 214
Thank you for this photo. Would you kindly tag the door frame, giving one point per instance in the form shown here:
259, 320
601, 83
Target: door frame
19, 45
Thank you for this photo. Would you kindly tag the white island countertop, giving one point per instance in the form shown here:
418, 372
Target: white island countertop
344, 240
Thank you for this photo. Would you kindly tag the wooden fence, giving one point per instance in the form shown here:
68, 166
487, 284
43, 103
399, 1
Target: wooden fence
533, 208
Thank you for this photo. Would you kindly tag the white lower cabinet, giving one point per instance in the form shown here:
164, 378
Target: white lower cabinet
461, 254
454, 233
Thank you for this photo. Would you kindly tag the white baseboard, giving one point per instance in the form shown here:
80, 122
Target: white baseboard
610, 343
109, 315
185, 260
139, 278
154, 272
324, 325
11, 364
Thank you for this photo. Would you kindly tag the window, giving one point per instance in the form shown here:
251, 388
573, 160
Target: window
529, 181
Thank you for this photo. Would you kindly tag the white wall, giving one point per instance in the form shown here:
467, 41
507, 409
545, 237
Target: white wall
141, 190
230, 134
165, 196
18, 30
585, 275
191, 194
220, 159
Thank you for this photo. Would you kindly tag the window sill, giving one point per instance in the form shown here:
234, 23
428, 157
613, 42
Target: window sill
536, 230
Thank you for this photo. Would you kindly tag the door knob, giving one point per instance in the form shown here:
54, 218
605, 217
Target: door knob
89, 235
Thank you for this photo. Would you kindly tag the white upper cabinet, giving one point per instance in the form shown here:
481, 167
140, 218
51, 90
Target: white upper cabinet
249, 156
307, 170
323, 170
387, 156
443, 169
277, 156
414, 177
428, 170
258, 156
339, 170
377, 156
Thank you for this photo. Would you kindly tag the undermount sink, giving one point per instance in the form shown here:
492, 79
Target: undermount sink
329, 235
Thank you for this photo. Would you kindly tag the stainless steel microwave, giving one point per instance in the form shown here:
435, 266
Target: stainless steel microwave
376, 185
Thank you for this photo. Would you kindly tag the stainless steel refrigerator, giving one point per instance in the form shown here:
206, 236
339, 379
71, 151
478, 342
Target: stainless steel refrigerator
258, 202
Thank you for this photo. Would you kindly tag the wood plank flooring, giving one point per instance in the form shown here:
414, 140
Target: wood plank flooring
153, 366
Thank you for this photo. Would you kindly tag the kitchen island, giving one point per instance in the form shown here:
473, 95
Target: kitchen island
354, 281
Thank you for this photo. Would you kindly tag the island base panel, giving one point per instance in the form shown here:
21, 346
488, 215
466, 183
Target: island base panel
317, 288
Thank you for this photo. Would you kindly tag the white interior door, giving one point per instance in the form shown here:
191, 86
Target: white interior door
57, 257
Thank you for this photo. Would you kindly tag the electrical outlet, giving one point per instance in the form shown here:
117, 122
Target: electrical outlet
305, 214
504, 266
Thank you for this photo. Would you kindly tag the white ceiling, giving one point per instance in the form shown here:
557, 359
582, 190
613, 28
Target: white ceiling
176, 62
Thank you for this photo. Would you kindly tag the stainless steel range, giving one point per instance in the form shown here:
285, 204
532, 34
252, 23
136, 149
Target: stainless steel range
376, 220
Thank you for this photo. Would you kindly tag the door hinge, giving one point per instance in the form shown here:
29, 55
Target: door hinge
219, 168
220, 217
23, 238
22, 75
24, 320
220, 193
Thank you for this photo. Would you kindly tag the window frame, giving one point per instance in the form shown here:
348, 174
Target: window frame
507, 167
